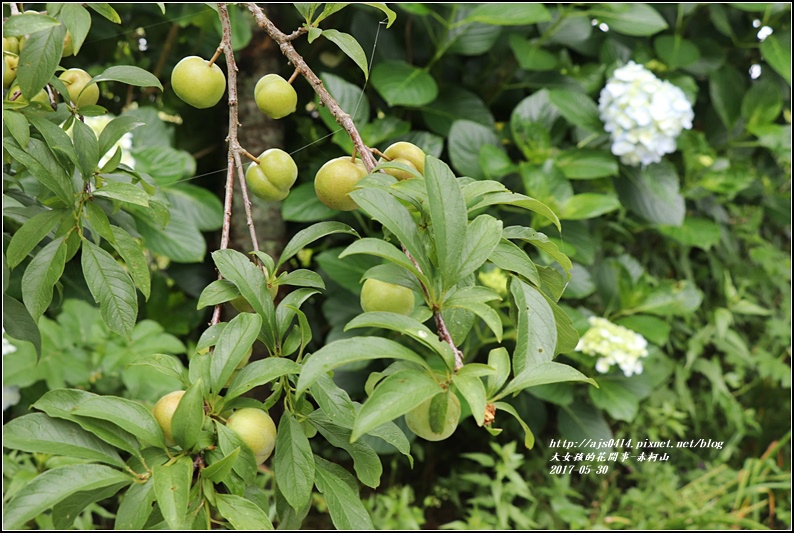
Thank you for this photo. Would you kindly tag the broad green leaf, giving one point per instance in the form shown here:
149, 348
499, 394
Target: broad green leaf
482, 237
529, 437
517, 14
385, 250
578, 109
464, 142
698, 232
349, 97
41, 274
106, 11
587, 164
180, 240
542, 374
133, 255
345, 351
31, 234
168, 365
776, 50
633, 19
536, 331
38, 433
365, 461
407, 326
676, 51
394, 396
456, 103
62, 403
588, 205
217, 292
233, 344
123, 192
39, 59
27, 23
670, 299
499, 359
401, 84
541, 242
510, 257
615, 398
726, 89
259, 373
55, 485
251, 283
761, 104
387, 210
167, 165
584, 424
293, 463
135, 507
130, 75
567, 336
307, 236
19, 324
473, 390
302, 278
302, 205
115, 130
188, 417
448, 218
241, 513
653, 193
111, 287
126, 414
17, 126
172, 490
341, 496
198, 205
348, 44
531, 56
77, 20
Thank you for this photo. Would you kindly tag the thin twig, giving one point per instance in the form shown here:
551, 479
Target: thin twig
14, 8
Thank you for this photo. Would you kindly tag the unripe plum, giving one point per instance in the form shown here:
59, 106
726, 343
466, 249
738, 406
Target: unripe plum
377, 295
197, 83
336, 179
257, 430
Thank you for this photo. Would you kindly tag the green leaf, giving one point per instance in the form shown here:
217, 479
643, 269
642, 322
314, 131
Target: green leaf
98, 222
17, 126
653, 193
465, 140
407, 326
39, 59
172, 490
242, 514
365, 461
698, 232
542, 374
41, 274
61, 403
38, 433
541, 242
448, 218
131, 251
401, 84
302, 205
345, 351
517, 14
45, 168
394, 396
217, 292
228, 441
87, 147
65, 511
536, 331
482, 237
588, 205
385, 250
391, 16
19, 324
307, 236
31, 234
578, 109
348, 44
180, 240
776, 50
293, 463
341, 495
640, 20
56, 138
529, 437
77, 20
27, 23
55, 485
531, 56
130, 75
726, 89
473, 390
115, 130
111, 287
218, 470
387, 210
499, 359
189, 416
168, 365
676, 51
583, 423
106, 11
349, 97
518, 200
456, 103
302, 278
126, 414
233, 344
135, 507
587, 164
510, 257
761, 104
615, 398
124, 192
670, 299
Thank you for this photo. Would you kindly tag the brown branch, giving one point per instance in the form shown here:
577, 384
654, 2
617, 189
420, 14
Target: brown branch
342, 118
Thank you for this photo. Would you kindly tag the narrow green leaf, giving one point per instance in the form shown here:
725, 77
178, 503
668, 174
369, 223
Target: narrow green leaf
172, 490
42, 273
233, 344
588, 205
106, 11
126, 414
260, 373
448, 217
518, 200
135, 507
348, 44
78, 21
168, 365
87, 147
17, 126
517, 14
541, 242
307, 236
217, 292
391, 16
53, 486
241, 513
344, 504
31, 234
19, 324
365, 461
776, 50
499, 359
344, 351
293, 462
536, 331
111, 287
40, 161
189, 416
132, 253
510, 257
65, 511
482, 237
473, 390
115, 130
218, 470
394, 396
38, 433
123, 192
27, 23
130, 75
98, 222
633, 19
587, 164
39, 59
385, 250
543, 374
529, 437
228, 441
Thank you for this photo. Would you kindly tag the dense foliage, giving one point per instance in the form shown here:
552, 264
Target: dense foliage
595, 250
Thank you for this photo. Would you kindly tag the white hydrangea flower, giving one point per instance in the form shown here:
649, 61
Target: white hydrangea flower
614, 345
10, 394
643, 115
125, 143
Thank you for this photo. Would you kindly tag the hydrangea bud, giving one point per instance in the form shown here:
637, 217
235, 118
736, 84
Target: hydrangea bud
614, 345
643, 115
